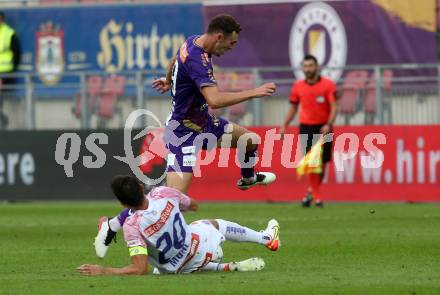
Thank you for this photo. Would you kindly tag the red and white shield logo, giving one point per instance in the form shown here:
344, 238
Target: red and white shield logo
50, 53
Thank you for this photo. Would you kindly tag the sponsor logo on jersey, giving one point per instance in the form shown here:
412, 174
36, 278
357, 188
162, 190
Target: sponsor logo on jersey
195, 242
189, 149
189, 160
157, 226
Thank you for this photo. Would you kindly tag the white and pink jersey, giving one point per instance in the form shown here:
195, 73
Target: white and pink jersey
162, 230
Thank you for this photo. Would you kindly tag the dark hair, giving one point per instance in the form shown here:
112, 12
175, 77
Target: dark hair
225, 24
2, 15
310, 57
128, 190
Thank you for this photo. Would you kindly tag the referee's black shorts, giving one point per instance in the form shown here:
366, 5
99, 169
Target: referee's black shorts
309, 135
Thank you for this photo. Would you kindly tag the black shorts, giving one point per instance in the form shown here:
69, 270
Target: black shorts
312, 133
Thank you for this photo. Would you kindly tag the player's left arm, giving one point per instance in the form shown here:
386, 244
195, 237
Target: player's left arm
138, 266
186, 203
194, 205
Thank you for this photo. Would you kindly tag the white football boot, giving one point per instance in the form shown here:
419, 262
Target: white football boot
104, 237
251, 264
262, 178
273, 232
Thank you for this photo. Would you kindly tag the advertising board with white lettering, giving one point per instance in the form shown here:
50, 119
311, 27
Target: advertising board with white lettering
370, 163
66, 165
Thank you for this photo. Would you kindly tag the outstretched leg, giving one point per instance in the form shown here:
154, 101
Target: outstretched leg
247, 144
251, 264
239, 233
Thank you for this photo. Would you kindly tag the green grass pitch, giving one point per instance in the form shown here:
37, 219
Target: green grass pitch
345, 248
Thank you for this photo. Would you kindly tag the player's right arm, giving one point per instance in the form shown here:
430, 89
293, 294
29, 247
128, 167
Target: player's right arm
218, 99
201, 73
164, 84
137, 249
138, 266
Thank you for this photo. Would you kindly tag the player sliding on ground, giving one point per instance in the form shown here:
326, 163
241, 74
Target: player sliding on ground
157, 233
193, 88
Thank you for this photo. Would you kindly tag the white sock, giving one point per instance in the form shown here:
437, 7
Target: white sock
114, 224
237, 233
214, 266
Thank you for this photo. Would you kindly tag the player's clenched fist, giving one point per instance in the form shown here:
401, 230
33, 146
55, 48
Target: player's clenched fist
267, 89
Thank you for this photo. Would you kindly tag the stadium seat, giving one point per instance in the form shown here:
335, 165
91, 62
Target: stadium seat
57, 2
370, 106
216, 112
233, 82
108, 98
222, 84
354, 83
94, 85
222, 81
99, 1
243, 81
370, 101
236, 112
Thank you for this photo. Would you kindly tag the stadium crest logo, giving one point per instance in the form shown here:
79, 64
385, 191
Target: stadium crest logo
50, 53
318, 30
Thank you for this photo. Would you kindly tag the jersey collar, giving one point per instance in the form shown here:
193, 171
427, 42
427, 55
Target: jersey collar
317, 81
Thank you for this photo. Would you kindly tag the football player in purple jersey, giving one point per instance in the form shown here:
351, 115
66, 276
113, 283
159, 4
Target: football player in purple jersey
193, 88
